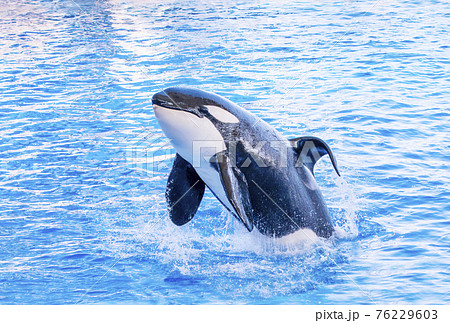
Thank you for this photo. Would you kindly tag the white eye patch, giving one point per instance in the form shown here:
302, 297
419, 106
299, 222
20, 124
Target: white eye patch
221, 114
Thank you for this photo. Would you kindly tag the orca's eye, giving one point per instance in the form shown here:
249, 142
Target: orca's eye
202, 109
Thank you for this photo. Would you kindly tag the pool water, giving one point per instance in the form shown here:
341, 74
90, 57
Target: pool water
84, 165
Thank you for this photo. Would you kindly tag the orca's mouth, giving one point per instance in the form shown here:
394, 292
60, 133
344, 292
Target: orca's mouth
164, 101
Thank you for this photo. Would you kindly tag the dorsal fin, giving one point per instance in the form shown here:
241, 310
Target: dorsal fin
310, 149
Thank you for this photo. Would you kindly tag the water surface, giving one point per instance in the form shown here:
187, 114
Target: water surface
83, 163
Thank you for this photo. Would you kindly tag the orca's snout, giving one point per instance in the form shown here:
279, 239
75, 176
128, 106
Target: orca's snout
162, 99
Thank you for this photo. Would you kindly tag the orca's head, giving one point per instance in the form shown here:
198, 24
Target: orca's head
195, 102
181, 99
188, 115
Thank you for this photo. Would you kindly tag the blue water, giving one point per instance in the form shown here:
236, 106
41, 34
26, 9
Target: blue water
83, 163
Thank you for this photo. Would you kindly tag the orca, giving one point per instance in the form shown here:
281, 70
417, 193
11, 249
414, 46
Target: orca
266, 181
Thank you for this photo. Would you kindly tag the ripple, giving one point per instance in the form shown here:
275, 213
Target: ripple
80, 203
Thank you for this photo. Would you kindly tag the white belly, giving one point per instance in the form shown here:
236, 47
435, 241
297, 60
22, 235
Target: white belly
196, 140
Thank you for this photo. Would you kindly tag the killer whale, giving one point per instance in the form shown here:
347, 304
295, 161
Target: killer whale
266, 181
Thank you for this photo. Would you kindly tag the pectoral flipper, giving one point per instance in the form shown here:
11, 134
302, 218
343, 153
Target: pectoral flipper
184, 191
